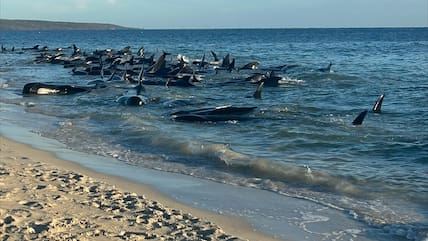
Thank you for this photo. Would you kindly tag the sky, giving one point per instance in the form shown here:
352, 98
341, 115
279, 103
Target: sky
176, 14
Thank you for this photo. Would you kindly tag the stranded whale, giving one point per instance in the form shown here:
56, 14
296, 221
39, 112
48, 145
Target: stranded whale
221, 113
38, 88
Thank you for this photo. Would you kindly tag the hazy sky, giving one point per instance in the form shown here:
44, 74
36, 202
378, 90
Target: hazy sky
224, 13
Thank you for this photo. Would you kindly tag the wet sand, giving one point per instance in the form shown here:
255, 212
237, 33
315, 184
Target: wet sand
45, 198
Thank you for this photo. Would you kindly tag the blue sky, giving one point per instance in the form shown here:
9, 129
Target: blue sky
161, 14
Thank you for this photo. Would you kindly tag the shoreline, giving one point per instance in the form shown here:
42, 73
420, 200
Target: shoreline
39, 166
243, 212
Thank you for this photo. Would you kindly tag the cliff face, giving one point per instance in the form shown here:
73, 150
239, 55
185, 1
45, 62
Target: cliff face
7, 24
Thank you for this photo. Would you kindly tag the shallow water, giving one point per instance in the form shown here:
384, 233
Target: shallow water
299, 142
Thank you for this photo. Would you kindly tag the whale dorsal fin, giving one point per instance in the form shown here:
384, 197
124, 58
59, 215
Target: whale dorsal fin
360, 118
214, 56
141, 74
258, 93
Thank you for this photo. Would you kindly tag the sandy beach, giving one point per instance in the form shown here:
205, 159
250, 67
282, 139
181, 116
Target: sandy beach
45, 198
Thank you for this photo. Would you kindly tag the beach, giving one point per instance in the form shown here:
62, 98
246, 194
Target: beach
43, 197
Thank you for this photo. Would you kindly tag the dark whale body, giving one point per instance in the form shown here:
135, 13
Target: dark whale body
38, 88
221, 113
132, 100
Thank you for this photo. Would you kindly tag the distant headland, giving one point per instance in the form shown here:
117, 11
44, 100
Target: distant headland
12, 24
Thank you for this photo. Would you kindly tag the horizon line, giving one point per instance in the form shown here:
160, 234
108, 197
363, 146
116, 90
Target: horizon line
217, 28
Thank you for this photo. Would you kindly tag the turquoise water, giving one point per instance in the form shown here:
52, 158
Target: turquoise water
376, 172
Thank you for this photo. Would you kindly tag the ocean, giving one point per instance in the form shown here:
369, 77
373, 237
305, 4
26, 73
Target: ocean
299, 141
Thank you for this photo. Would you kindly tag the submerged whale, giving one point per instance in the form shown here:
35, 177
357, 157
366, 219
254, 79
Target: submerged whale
220, 113
38, 88
327, 69
35, 47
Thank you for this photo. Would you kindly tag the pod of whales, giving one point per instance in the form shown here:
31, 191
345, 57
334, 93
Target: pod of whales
128, 68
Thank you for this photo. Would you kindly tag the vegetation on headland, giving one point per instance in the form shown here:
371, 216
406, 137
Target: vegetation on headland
12, 24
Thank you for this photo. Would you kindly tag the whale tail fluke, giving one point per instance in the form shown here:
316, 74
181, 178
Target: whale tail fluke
360, 118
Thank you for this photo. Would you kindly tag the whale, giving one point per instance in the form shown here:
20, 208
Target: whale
114, 77
220, 113
360, 118
37, 88
378, 105
231, 65
258, 93
327, 69
35, 47
141, 52
250, 66
227, 64
185, 81
201, 63
134, 96
216, 59
160, 65
134, 100
76, 50
255, 78
226, 61
272, 80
